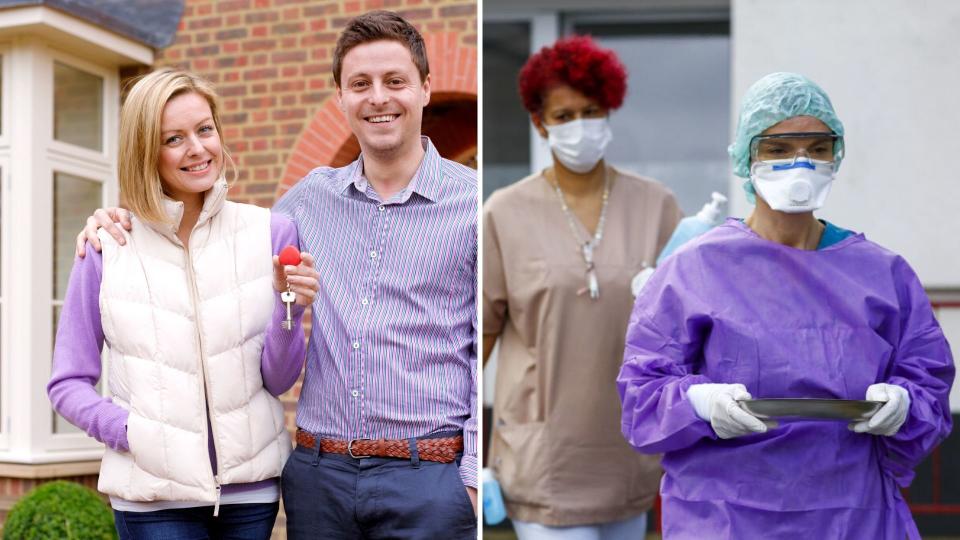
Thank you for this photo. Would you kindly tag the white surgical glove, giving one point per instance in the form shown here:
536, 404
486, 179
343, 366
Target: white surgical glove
891, 416
717, 404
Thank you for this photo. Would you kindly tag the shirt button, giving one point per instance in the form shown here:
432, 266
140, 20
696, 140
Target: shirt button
355, 393
373, 254
364, 301
356, 345
381, 208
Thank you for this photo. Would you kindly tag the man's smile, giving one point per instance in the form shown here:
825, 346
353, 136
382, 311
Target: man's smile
382, 119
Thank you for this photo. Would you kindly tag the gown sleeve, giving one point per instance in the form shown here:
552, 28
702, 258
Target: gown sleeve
664, 351
924, 366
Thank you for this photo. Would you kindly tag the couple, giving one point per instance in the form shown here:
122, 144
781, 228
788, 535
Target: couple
196, 443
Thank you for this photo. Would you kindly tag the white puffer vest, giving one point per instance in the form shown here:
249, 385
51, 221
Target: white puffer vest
185, 333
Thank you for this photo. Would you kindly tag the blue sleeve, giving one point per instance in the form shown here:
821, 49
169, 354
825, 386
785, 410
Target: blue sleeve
469, 465
290, 202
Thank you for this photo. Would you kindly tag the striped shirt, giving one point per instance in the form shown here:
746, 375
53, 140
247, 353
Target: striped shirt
392, 350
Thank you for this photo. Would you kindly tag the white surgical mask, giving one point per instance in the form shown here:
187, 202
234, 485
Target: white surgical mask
579, 144
793, 185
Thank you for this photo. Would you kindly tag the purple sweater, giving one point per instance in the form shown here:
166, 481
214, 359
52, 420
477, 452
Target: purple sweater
76, 355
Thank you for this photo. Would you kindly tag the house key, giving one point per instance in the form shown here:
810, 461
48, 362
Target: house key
288, 298
289, 256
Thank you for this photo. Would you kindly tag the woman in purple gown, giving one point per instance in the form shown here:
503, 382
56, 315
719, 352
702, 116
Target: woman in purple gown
783, 305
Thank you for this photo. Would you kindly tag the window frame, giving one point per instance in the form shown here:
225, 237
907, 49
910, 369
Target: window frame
6, 67
94, 166
108, 137
27, 435
6, 75
33, 37
5, 333
59, 442
544, 30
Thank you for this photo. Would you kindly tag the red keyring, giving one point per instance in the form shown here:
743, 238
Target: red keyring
290, 256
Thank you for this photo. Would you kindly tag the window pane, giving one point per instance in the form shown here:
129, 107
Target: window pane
674, 125
74, 198
506, 129
77, 107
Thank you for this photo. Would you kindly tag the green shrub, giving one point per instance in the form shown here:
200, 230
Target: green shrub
60, 511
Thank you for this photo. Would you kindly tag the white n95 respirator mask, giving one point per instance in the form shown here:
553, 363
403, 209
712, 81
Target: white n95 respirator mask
793, 185
579, 144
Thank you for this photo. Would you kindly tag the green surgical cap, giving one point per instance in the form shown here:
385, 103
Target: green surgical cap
772, 99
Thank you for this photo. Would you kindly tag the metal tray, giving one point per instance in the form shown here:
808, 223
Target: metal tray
826, 409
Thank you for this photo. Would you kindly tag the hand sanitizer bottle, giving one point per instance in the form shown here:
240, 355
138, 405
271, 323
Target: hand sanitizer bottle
493, 509
691, 227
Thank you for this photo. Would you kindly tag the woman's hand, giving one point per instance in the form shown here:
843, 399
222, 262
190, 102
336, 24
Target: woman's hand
303, 279
717, 404
891, 416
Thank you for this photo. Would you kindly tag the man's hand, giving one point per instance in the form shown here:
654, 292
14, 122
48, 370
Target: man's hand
304, 280
105, 218
472, 493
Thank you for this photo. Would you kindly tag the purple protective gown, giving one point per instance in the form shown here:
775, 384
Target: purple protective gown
731, 307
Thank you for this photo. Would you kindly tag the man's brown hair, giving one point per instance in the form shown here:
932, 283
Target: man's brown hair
375, 26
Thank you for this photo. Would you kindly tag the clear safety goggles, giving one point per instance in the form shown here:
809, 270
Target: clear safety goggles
787, 147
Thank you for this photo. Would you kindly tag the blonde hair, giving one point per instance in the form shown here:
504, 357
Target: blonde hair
141, 188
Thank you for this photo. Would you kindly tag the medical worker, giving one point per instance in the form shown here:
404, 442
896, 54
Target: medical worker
560, 248
783, 305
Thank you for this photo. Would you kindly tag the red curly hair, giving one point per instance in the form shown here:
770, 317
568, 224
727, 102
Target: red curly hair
578, 62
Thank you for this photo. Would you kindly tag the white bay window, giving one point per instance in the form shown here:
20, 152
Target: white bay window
59, 112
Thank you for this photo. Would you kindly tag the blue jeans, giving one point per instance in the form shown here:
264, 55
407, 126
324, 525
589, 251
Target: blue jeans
235, 522
337, 497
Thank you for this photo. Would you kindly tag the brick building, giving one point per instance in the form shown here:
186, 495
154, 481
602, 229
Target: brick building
271, 62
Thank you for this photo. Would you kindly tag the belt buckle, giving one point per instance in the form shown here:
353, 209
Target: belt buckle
350, 449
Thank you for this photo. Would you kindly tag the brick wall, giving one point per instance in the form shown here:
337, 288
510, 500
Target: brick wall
271, 61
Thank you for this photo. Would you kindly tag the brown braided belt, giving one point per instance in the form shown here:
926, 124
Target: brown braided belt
444, 450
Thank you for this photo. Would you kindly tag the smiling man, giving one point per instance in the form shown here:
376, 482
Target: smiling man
387, 427
391, 364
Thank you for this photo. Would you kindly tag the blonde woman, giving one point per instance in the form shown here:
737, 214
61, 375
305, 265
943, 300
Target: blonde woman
189, 309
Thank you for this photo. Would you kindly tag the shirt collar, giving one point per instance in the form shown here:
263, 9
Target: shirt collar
426, 182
